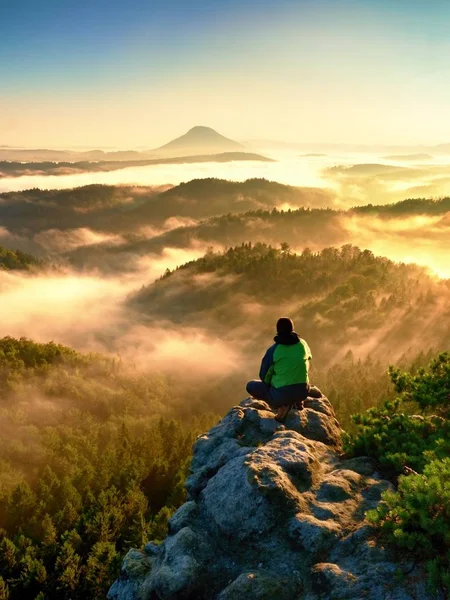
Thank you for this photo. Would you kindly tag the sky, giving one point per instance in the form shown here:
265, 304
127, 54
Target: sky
110, 73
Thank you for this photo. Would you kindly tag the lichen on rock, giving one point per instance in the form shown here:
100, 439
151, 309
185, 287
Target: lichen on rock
272, 512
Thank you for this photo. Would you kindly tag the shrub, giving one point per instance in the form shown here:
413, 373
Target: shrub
417, 518
398, 439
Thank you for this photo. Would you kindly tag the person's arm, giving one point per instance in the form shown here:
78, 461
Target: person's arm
308, 355
266, 370
308, 352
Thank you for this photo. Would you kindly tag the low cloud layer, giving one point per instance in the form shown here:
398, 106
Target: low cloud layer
420, 239
55, 240
89, 312
356, 178
86, 308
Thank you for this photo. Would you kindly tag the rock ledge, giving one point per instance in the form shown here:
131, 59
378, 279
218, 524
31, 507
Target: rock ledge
272, 512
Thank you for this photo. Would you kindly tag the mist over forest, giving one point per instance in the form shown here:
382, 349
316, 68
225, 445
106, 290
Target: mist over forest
224, 300
136, 309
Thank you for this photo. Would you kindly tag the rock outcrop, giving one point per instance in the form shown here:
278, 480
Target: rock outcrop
272, 512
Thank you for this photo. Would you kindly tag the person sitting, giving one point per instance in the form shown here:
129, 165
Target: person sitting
284, 370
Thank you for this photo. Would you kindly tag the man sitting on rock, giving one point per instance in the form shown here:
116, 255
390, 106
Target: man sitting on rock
284, 369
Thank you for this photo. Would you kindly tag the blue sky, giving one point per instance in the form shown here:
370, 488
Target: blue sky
135, 72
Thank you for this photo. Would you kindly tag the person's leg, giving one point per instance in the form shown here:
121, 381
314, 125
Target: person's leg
282, 412
281, 402
301, 394
258, 390
311, 392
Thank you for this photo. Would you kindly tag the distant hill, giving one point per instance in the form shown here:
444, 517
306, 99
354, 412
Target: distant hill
304, 227
51, 155
408, 157
210, 211
199, 140
364, 169
124, 209
334, 296
18, 169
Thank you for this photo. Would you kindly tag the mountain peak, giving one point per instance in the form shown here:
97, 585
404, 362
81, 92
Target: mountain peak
203, 129
199, 140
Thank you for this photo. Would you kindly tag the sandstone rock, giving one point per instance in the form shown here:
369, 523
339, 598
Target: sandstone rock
316, 425
321, 405
135, 567
373, 491
361, 464
259, 586
311, 534
180, 573
334, 489
152, 549
272, 512
182, 517
331, 582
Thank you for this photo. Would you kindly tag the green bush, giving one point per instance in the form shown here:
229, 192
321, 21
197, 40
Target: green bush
395, 437
417, 518
429, 387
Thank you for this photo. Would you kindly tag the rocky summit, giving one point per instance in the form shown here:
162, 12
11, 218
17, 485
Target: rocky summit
273, 511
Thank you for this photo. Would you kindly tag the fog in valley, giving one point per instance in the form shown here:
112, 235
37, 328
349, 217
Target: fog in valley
138, 301
354, 177
100, 245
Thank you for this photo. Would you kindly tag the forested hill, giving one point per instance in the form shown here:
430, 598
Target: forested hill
17, 169
108, 228
124, 209
301, 227
408, 207
16, 260
114, 209
92, 461
336, 296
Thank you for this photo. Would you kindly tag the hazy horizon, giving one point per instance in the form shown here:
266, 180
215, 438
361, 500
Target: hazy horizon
141, 74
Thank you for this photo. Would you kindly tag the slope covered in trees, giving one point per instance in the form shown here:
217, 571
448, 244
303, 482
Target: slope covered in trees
303, 227
96, 452
91, 463
110, 228
124, 209
340, 299
11, 260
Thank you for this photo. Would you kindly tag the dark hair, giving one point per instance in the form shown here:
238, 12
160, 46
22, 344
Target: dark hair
285, 325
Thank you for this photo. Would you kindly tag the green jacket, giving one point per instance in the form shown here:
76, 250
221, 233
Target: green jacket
286, 362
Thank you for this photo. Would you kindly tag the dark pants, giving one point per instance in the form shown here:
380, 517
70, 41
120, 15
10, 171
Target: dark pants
276, 397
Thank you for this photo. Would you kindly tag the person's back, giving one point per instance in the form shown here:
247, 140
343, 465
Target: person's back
291, 356
284, 371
